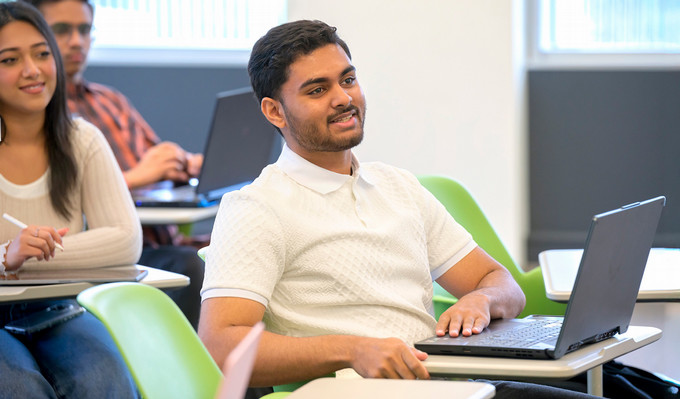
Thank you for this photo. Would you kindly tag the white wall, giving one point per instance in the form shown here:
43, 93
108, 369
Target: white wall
444, 87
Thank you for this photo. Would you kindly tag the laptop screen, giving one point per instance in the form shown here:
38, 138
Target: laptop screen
241, 142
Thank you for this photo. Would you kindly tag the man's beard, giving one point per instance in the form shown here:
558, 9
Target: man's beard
308, 137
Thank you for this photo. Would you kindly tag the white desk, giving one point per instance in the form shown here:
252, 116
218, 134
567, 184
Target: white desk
156, 278
149, 216
589, 358
661, 281
338, 388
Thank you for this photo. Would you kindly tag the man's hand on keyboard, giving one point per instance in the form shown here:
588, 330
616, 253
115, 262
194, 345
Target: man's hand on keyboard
470, 315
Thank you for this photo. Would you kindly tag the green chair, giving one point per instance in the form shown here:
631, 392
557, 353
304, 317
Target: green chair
163, 352
462, 206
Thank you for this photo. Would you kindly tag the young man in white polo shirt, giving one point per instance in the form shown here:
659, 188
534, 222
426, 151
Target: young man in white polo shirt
337, 257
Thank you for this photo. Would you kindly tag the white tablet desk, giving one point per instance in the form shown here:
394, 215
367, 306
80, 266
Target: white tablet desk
359, 388
149, 216
19, 293
661, 281
589, 358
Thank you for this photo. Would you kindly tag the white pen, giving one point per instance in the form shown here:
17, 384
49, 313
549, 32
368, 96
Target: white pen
22, 225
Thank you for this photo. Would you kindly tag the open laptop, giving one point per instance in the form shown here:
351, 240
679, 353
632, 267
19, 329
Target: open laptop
601, 303
239, 365
240, 143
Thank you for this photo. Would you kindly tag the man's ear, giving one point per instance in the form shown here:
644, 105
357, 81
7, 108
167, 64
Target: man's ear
273, 111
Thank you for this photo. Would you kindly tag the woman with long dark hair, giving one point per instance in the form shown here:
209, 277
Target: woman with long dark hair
59, 177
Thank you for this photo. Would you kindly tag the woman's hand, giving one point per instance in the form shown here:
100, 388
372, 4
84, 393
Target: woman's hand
33, 241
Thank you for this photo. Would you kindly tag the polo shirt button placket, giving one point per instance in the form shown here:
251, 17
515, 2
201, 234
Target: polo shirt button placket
357, 207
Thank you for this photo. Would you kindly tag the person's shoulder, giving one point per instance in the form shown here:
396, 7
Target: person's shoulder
260, 189
271, 188
103, 90
256, 203
82, 129
389, 173
85, 135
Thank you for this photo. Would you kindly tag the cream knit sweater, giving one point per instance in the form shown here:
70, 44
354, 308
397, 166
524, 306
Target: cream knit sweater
113, 235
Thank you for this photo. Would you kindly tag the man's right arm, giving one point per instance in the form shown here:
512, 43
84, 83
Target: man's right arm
281, 359
164, 161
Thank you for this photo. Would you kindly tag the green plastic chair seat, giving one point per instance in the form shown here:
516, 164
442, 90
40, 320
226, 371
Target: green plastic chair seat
462, 206
163, 352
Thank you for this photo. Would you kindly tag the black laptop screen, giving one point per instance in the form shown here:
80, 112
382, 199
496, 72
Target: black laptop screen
241, 142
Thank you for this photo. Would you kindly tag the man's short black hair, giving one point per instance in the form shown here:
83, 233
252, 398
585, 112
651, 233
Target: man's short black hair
280, 47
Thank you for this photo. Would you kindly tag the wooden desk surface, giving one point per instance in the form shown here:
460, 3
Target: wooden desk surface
155, 277
661, 281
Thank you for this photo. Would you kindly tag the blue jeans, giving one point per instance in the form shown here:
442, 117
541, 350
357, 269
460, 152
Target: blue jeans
75, 359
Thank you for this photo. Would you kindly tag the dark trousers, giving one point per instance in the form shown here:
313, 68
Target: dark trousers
525, 390
182, 260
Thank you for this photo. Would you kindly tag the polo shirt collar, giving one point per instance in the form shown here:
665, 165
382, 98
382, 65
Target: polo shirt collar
315, 177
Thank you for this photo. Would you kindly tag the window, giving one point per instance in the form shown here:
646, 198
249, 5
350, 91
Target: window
605, 26
609, 31
181, 31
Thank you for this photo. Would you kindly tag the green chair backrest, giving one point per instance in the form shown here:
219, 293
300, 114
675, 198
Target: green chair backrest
462, 206
163, 352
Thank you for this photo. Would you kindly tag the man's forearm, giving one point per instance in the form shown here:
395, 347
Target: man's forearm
131, 179
299, 359
282, 359
506, 298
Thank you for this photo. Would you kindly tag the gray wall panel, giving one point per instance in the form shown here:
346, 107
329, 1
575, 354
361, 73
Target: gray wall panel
176, 102
598, 140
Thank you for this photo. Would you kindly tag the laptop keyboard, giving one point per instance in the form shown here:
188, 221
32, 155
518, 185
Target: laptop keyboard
545, 331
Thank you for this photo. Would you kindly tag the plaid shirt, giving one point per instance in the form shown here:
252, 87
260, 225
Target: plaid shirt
126, 131
128, 134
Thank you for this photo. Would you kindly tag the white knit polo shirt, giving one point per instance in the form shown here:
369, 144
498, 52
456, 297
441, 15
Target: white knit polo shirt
328, 253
